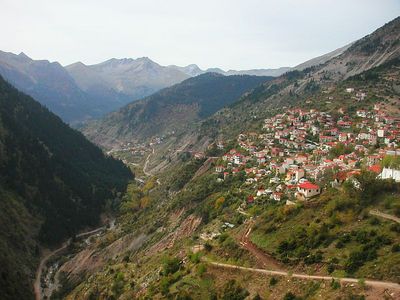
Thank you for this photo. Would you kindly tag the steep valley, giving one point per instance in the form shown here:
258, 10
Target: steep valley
213, 185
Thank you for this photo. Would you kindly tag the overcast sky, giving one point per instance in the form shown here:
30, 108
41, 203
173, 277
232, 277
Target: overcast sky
231, 34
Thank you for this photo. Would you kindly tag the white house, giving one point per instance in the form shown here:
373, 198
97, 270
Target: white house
308, 189
299, 174
361, 113
261, 192
219, 169
342, 137
277, 196
390, 173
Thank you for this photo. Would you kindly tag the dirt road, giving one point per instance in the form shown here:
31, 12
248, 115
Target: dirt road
147, 162
264, 259
274, 267
37, 284
378, 213
372, 283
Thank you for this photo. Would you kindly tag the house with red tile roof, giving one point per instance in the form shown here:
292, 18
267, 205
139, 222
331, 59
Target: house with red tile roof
308, 189
376, 169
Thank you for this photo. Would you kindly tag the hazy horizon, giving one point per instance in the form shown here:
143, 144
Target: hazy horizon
229, 34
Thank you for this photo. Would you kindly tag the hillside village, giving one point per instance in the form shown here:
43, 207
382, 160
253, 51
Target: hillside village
300, 152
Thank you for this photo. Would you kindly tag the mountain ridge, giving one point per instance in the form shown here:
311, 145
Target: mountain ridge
194, 70
51, 84
172, 109
79, 92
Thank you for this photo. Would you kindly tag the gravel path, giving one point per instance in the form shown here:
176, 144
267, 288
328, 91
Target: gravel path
372, 283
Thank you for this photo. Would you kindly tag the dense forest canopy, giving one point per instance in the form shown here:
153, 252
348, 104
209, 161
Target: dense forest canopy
53, 182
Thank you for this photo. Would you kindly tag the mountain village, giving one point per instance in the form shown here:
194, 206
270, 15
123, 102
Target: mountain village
300, 152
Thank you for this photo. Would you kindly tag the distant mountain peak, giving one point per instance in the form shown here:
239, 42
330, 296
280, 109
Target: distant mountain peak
194, 70
77, 64
215, 70
23, 55
125, 60
144, 58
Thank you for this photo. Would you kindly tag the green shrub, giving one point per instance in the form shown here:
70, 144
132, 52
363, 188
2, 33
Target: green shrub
201, 269
335, 284
291, 296
331, 268
233, 291
208, 247
273, 281
396, 248
118, 284
171, 265
195, 257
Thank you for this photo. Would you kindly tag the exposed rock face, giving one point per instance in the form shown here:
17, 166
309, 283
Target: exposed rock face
49, 83
91, 259
78, 92
135, 78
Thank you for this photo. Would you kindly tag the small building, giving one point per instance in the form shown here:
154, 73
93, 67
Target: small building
342, 137
388, 173
277, 196
361, 113
219, 169
199, 155
308, 189
381, 133
261, 192
373, 159
375, 168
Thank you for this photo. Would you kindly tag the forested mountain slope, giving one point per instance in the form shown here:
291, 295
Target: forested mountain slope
53, 182
173, 109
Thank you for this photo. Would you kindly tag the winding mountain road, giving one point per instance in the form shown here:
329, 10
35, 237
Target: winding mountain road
373, 283
37, 284
147, 162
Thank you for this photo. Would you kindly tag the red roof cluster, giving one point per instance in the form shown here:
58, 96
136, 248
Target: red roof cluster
308, 186
376, 169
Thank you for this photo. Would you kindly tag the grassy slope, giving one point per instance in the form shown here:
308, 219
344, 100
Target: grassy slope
202, 195
139, 269
275, 226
